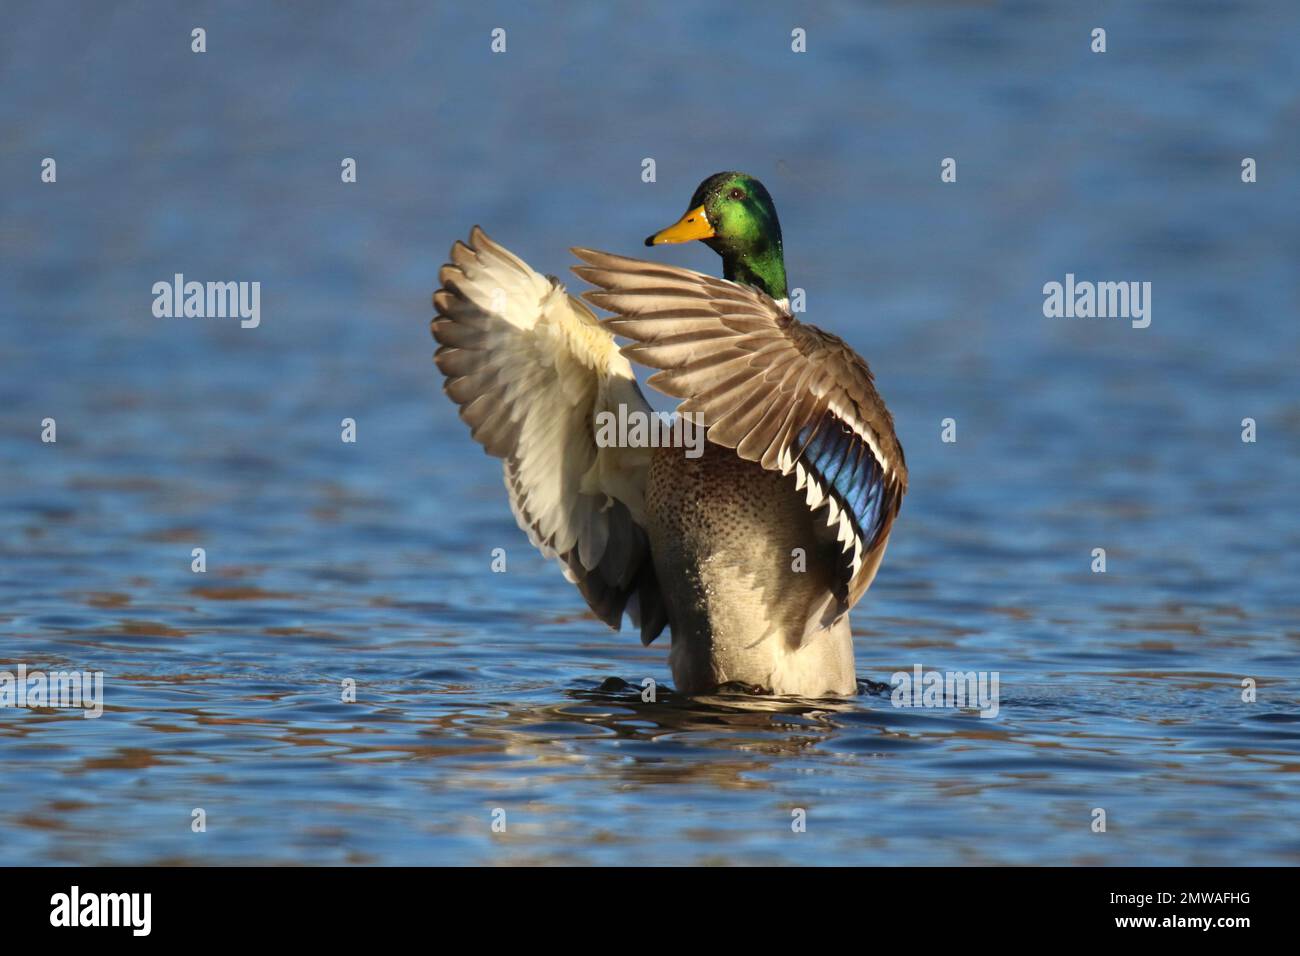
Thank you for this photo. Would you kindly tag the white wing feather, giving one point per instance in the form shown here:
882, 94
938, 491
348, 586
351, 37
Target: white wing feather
531, 368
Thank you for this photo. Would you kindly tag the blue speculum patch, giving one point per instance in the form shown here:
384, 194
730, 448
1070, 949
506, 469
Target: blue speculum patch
844, 463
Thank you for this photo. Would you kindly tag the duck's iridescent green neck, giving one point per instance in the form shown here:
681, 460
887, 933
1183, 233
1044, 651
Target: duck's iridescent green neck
761, 265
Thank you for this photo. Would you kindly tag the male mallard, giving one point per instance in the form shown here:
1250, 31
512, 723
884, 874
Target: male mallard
752, 553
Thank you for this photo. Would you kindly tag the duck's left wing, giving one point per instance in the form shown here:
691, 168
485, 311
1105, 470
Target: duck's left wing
780, 392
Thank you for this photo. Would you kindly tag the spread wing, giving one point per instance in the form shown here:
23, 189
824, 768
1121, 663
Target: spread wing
530, 368
778, 391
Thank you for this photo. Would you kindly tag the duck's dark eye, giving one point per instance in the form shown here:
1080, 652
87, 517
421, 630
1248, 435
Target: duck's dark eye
737, 193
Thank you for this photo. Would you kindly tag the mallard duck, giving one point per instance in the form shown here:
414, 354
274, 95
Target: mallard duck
751, 553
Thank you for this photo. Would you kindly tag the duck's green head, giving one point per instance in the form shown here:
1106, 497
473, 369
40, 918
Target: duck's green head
733, 214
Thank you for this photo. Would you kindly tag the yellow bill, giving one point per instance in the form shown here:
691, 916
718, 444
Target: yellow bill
693, 225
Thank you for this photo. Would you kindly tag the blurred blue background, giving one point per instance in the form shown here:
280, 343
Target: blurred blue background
369, 561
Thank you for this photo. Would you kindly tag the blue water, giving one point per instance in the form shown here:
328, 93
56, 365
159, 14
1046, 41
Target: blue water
370, 561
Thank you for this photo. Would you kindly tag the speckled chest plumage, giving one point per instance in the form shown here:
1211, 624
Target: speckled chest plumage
727, 539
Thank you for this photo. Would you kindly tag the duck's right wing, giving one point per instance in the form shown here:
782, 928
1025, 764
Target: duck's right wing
531, 368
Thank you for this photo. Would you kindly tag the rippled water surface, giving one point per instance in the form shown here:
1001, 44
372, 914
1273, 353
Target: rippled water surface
475, 691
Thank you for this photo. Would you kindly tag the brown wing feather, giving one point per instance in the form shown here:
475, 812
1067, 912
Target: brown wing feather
778, 391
